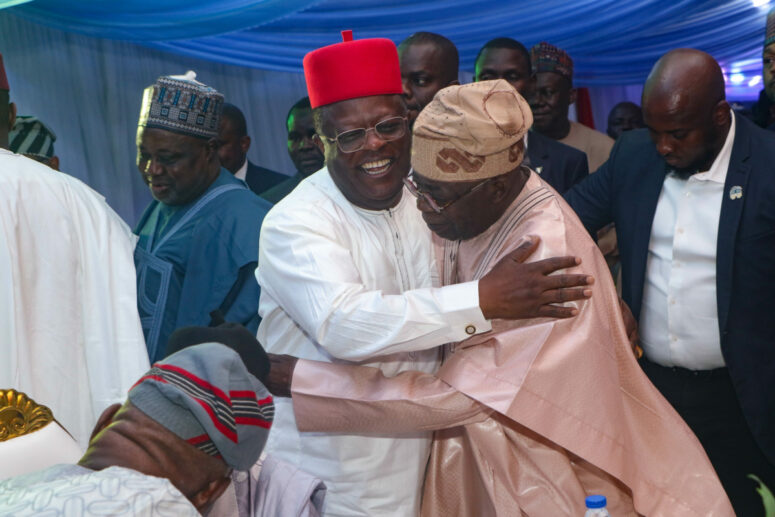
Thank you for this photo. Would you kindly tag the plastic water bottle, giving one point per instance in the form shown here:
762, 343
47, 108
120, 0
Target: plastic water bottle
596, 506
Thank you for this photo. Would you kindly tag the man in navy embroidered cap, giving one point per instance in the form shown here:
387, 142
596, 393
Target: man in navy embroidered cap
171, 446
198, 240
34, 139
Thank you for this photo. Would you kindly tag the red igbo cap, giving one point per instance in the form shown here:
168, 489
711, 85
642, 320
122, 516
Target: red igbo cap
3, 77
352, 69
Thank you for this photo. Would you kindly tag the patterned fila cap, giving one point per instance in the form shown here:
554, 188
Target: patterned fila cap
206, 396
471, 132
181, 104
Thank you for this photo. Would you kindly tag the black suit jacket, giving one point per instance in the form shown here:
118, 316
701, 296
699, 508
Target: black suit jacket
625, 190
260, 179
560, 165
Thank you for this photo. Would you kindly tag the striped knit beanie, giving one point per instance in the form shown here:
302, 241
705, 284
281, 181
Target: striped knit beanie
205, 395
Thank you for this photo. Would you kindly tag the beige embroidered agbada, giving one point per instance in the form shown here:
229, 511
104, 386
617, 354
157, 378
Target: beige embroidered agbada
533, 415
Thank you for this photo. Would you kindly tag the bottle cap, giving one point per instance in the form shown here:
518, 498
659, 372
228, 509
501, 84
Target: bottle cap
595, 501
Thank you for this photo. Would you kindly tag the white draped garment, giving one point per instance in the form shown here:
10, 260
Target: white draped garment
340, 283
70, 336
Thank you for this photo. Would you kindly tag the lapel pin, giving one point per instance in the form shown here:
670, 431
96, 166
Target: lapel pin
736, 192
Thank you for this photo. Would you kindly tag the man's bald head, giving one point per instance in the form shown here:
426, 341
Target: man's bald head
429, 62
684, 106
686, 77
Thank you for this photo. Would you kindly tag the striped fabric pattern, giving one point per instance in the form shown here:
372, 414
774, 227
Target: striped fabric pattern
205, 395
30, 136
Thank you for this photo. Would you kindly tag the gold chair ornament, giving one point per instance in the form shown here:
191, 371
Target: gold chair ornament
20, 415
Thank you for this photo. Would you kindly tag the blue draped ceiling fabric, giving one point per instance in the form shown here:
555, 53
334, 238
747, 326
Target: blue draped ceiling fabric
612, 42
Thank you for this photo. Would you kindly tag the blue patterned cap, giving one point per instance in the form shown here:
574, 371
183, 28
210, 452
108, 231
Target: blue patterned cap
181, 104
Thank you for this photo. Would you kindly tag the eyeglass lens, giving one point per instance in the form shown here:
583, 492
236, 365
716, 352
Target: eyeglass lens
388, 129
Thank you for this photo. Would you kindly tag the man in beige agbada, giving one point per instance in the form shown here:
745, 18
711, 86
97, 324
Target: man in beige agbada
536, 414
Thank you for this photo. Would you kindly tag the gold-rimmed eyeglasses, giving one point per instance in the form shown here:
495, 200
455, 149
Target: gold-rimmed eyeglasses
353, 140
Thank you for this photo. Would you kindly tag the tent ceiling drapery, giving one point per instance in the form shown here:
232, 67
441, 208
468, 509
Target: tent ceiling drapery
611, 41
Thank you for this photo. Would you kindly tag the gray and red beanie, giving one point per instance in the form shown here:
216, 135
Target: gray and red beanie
205, 395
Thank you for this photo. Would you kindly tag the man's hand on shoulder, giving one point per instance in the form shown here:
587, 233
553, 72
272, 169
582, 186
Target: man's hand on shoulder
278, 382
515, 290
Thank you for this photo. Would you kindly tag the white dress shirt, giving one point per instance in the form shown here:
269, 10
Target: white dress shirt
679, 316
242, 172
342, 283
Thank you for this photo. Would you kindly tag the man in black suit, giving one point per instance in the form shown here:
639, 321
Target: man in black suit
558, 164
693, 200
233, 145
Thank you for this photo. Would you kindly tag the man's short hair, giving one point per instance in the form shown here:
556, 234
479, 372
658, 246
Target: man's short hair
504, 42
233, 113
447, 47
301, 104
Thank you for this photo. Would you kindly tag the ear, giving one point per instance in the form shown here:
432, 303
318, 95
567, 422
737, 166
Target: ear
244, 143
208, 495
721, 114
211, 147
53, 162
11, 115
105, 418
572, 96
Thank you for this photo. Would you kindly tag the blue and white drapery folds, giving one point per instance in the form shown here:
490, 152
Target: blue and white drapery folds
89, 91
611, 41
81, 65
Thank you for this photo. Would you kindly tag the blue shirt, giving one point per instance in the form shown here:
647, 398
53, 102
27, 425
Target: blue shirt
196, 258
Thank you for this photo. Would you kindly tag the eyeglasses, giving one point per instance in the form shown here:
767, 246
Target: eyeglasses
435, 205
353, 140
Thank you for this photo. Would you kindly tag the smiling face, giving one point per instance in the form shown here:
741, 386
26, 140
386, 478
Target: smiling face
301, 142
371, 177
425, 70
553, 96
177, 168
505, 63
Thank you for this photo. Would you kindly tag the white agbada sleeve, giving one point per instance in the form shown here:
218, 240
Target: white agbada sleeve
308, 266
70, 335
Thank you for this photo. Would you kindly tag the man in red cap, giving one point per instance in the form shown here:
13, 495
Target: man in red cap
347, 273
